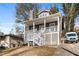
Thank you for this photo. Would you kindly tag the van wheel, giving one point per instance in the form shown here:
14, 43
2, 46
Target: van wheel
66, 41
76, 41
71, 42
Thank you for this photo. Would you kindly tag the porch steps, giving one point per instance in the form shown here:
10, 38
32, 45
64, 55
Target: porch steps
38, 39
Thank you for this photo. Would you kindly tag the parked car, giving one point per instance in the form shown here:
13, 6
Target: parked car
71, 37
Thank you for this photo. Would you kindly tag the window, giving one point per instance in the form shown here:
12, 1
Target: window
71, 34
52, 24
30, 27
41, 26
45, 14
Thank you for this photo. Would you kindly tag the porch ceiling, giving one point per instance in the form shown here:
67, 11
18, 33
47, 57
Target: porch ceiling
50, 18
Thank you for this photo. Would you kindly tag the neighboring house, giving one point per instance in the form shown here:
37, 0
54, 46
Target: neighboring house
44, 30
1, 38
10, 41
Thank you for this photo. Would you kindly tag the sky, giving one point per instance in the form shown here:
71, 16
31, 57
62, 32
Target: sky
8, 12
44, 6
7, 17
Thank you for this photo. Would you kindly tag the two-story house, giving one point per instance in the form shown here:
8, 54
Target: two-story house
44, 30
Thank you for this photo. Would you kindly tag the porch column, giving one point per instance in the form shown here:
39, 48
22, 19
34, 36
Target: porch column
58, 31
61, 30
33, 26
28, 43
51, 38
44, 30
44, 24
24, 33
33, 32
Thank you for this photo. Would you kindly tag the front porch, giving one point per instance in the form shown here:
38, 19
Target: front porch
43, 31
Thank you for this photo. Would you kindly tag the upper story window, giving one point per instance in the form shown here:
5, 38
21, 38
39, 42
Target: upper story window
44, 14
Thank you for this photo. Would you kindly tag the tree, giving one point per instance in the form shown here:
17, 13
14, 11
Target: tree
54, 10
19, 30
23, 10
23, 13
70, 11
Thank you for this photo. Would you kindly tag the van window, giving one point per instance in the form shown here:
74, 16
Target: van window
71, 34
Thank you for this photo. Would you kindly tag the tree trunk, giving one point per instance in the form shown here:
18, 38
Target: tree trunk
72, 25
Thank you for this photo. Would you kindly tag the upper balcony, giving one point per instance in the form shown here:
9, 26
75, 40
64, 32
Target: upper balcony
50, 18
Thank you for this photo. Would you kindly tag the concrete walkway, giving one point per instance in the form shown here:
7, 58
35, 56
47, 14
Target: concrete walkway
62, 52
72, 47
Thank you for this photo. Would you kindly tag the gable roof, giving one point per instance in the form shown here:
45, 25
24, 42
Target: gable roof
15, 36
43, 12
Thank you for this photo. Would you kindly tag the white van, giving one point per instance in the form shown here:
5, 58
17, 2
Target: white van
71, 37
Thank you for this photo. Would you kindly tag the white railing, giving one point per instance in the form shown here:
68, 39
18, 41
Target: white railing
51, 29
48, 29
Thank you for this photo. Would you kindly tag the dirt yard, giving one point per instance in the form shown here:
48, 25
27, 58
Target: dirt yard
43, 50
33, 51
39, 51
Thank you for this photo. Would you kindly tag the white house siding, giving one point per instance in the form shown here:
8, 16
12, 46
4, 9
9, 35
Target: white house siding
54, 38
51, 38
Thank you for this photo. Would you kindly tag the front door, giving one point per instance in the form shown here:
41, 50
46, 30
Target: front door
41, 26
